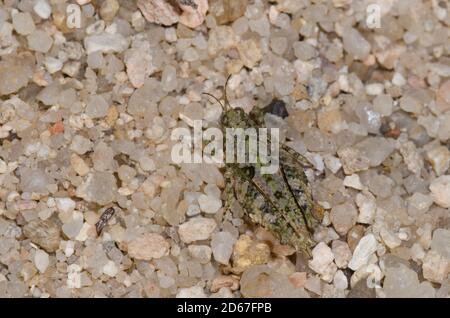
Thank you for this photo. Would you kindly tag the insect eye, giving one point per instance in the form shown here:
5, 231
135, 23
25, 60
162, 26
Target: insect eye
249, 172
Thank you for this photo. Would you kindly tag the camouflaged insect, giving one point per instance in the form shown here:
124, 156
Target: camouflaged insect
281, 202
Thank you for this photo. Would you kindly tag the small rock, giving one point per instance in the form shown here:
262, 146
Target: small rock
298, 279
260, 25
376, 149
353, 181
148, 246
99, 187
23, 23
260, 282
343, 217
332, 163
110, 269
224, 281
353, 160
439, 157
34, 180
419, 203
169, 78
20, 67
222, 246
73, 276
193, 16
78, 165
39, 41
322, 261
365, 248
42, 9
209, 204
109, 9
411, 156
331, 121
355, 44
435, 267
440, 191
361, 290
342, 253
248, 252
402, 282
389, 238
191, 292
65, 205
410, 104
340, 280
81, 144
46, 234
73, 227
367, 208
139, 63
196, 229
53, 65
202, 253
441, 242
41, 260
158, 11
106, 43
223, 38
96, 106
383, 104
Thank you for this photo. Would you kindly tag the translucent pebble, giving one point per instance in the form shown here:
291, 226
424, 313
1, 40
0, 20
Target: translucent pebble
279, 45
169, 78
46, 234
42, 9
96, 106
355, 43
95, 60
81, 144
401, 281
109, 9
441, 242
383, 104
34, 180
99, 187
41, 260
73, 227
304, 50
240, 26
23, 23
19, 67
39, 41
106, 43
52, 64
222, 246
260, 26
190, 55
410, 104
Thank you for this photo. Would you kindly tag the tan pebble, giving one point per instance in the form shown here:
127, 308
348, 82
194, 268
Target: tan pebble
248, 252
112, 115
224, 281
354, 235
57, 128
193, 17
298, 279
46, 234
79, 165
148, 246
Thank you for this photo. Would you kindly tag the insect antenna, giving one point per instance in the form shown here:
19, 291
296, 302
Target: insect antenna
220, 103
225, 90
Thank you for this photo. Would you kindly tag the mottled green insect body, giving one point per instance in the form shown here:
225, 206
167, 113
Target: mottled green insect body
280, 202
